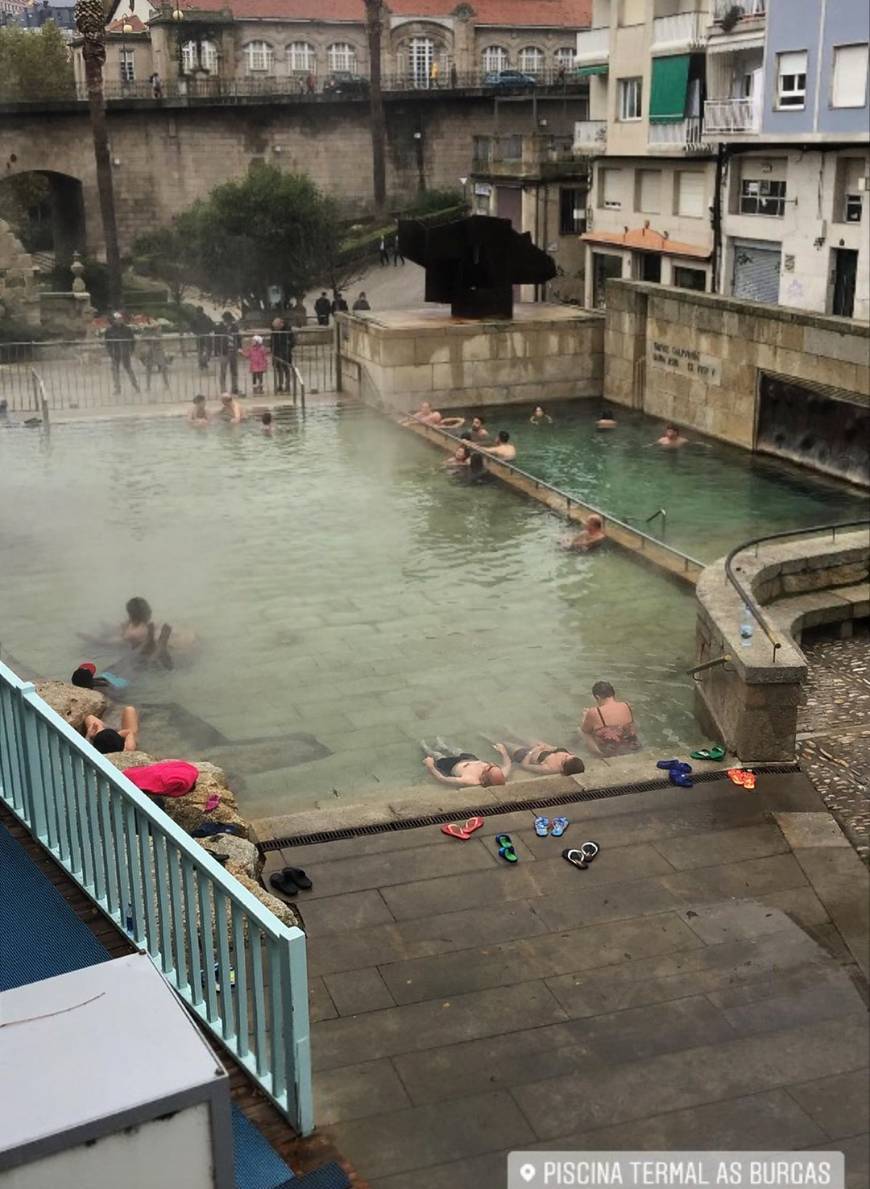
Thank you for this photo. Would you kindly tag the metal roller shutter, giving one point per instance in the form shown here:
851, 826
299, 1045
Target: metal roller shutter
756, 271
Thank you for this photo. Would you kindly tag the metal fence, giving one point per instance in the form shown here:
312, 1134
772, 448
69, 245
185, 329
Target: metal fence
242, 972
159, 370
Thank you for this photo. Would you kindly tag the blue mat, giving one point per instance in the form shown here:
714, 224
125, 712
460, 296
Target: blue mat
41, 936
330, 1176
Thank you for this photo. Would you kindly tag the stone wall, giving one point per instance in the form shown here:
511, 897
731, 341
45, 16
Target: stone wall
19, 299
696, 358
400, 359
751, 703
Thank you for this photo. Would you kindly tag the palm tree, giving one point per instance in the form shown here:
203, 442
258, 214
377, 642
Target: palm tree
374, 10
91, 17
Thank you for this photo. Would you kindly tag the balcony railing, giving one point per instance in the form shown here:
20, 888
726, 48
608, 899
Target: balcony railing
731, 115
236, 966
590, 136
594, 45
748, 8
517, 156
683, 134
683, 29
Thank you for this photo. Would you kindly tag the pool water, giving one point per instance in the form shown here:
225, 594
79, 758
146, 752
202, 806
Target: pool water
351, 597
715, 496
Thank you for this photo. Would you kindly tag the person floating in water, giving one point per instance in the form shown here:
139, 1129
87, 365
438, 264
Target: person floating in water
454, 766
106, 739
230, 410
504, 449
543, 759
479, 432
609, 726
606, 420
671, 439
592, 536
539, 417
198, 415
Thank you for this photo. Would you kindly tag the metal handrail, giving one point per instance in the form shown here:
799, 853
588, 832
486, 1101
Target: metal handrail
298, 385
239, 969
542, 483
750, 602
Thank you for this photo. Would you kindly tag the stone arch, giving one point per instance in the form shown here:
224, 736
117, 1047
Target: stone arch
60, 225
418, 45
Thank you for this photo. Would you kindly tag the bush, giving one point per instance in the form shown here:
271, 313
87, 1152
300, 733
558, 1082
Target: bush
433, 202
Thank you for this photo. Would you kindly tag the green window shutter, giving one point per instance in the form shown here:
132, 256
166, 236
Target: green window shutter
586, 71
670, 88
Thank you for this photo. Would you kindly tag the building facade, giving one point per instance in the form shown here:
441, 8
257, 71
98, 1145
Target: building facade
653, 180
789, 102
301, 43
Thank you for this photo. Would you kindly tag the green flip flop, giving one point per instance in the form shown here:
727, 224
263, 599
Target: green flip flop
505, 845
714, 754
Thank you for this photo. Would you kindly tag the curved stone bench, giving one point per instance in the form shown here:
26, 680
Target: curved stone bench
751, 702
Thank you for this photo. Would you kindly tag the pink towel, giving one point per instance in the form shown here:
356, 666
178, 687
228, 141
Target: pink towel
168, 778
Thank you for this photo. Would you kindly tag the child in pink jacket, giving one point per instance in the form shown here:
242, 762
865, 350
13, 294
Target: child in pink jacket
257, 356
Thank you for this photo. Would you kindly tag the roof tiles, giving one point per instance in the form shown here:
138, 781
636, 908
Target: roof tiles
553, 14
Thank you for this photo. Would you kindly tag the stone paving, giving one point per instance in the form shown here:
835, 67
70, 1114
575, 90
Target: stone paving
834, 731
697, 987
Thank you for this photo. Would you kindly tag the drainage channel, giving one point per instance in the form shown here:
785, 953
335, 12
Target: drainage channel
641, 545
396, 825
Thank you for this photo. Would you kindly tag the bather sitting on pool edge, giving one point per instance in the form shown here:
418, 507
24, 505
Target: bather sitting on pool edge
451, 765
609, 726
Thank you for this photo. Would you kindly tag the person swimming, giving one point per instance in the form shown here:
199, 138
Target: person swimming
267, 422
671, 439
504, 449
606, 420
459, 460
609, 725
454, 766
592, 536
539, 417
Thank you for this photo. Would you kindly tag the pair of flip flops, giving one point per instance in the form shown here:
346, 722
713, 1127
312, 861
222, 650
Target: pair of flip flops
543, 824
581, 856
506, 850
742, 777
714, 754
464, 830
290, 880
678, 772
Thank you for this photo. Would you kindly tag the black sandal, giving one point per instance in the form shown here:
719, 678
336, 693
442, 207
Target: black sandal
282, 884
297, 876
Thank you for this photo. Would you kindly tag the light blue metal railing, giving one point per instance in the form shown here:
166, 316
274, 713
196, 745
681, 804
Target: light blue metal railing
237, 967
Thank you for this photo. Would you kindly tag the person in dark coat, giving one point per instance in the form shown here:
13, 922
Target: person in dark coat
120, 342
339, 305
282, 354
228, 343
323, 308
203, 328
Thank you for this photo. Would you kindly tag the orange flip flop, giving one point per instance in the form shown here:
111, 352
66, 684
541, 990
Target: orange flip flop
742, 777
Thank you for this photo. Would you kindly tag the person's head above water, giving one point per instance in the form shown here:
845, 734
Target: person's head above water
504, 437
478, 422
267, 418
199, 400
539, 412
226, 398
138, 610
671, 432
602, 690
594, 523
462, 453
492, 775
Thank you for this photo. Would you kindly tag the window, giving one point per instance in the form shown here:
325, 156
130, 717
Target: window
482, 151
850, 189
791, 88
763, 197
611, 189
258, 55
630, 97
532, 60
301, 58
572, 212
690, 194
199, 54
849, 87
564, 57
854, 208
341, 56
128, 71
649, 191
208, 56
189, 57
421, 56
690, 278
495, 58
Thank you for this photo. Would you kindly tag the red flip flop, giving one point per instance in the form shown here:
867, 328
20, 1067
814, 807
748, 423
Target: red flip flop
463, 832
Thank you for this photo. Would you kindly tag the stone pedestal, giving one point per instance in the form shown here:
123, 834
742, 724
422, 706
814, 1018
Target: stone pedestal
400, 358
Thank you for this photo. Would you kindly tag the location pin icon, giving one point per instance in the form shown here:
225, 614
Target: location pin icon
527, 1172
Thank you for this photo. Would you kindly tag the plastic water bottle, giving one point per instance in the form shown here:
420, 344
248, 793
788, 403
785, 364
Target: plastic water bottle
746, 627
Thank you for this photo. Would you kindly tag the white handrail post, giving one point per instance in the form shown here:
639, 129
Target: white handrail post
32, 766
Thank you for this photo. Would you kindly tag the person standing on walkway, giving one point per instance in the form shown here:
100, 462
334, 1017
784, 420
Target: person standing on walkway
257, 356
153, 357
383, 253
282, 354
434, 72
203, 328
397, 252
361, 303
339, 305
323, 308
120, 343
228, 342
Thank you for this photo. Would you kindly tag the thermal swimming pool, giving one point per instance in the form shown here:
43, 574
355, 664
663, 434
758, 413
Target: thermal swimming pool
350, 596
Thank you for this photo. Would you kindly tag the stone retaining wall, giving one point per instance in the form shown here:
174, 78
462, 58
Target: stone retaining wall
751, 703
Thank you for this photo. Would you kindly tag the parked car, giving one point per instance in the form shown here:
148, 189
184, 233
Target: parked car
513, 80
343, 82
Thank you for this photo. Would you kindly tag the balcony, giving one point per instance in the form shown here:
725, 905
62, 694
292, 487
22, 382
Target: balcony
533, 156
724, 10
590, 136
593, 46
684, 30
679, 136
729, 116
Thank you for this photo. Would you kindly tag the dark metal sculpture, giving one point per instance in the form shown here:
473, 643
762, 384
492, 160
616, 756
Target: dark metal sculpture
474, 263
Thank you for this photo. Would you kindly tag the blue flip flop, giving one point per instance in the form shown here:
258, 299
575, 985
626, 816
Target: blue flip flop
560, 825
542, 826
666, 765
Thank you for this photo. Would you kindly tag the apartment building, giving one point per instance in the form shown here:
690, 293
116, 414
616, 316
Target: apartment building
788, 101
654, 176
